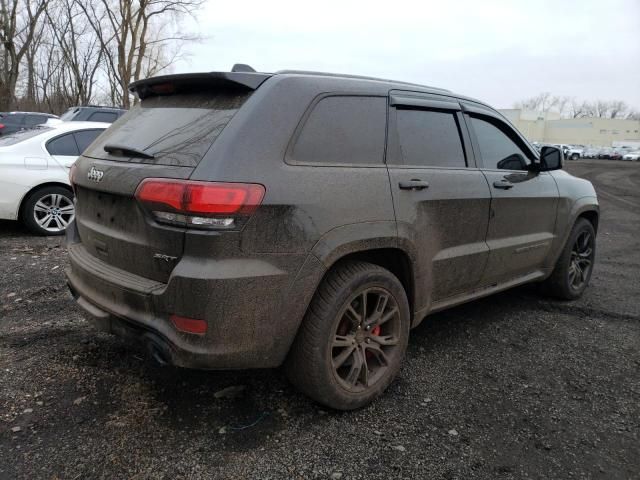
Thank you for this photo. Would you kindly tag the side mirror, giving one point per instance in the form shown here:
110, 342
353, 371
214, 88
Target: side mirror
551, 158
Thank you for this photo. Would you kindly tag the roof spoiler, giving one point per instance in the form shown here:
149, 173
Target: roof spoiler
167, 84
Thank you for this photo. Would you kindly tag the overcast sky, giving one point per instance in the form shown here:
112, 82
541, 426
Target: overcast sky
496, 51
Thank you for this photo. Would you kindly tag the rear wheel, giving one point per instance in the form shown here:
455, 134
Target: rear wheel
48, 210
573, 269
353, 337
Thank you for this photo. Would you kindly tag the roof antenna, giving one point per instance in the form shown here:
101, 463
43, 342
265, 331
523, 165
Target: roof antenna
242, 68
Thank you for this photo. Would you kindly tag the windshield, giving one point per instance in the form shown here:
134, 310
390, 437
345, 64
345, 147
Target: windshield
68, 115
21, 136
170, 130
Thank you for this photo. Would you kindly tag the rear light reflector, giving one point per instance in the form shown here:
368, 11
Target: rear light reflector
1, 125
216, 205
189, 325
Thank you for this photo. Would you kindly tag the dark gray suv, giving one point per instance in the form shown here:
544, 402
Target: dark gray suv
242, 220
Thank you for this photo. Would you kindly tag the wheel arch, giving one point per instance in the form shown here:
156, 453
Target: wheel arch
394, 259
593, 216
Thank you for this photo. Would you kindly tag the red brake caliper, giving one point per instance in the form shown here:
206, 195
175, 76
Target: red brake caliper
376, 330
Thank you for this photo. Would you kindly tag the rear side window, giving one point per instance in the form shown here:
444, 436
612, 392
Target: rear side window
64, 145
15, 119
343, 130
430, 138
108, 117
84, 138
176, 129
497, 150
33, 120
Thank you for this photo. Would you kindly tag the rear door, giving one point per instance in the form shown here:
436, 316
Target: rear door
441, 199
523, 203
163, 136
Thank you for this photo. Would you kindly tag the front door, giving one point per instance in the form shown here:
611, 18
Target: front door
441, 199
523, 202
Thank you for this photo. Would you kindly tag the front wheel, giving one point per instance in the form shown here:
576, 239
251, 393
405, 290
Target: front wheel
48, 210
353, 337
573, 269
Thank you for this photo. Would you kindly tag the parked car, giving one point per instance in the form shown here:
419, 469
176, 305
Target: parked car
574, 152
605, 153
616, 154
92, 113
632, 155
11, 122
241, 219
564, 147
591, 152
34, 174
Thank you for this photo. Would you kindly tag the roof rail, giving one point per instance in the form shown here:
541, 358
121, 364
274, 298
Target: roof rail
357, 77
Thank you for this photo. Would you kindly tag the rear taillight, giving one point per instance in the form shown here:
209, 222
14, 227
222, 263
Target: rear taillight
210, 205
1, 126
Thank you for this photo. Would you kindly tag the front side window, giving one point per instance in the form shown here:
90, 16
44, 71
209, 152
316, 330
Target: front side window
497, 150
343, 130
64, 145
430, 138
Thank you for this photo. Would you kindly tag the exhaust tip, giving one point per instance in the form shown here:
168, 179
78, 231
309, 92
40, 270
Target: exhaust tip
157, 350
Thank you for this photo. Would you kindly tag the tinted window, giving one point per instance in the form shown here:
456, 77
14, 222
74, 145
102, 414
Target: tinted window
84, 138
63, 145
69, 114
108, 117
14, 119
496, 148
33, 120
349, 130
176, 129
430, 138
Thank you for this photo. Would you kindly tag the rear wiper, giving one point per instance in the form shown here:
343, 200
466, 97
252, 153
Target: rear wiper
125, 151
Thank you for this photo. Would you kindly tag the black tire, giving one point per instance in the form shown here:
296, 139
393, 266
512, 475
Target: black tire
575, 156
560, 284
311, 363
33, 214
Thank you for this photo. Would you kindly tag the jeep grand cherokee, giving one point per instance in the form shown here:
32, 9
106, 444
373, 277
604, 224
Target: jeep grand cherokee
242, 219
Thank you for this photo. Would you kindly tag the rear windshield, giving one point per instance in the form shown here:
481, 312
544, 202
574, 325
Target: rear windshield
21, 136
177, 129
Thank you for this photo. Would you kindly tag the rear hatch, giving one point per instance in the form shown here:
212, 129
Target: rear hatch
165, 135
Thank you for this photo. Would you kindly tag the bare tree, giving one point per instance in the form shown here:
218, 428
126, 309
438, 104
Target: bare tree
135, 37
541, 102
19, 22
569, 107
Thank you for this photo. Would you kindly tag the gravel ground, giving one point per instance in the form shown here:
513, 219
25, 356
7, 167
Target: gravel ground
512, 386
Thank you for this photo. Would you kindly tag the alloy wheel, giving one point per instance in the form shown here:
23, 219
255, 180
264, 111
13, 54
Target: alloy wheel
54, 212
581, 260
366, 339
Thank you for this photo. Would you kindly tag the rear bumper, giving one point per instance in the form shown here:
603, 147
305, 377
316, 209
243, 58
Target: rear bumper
253, 307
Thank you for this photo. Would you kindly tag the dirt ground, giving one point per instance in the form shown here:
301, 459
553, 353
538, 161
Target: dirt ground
512, 386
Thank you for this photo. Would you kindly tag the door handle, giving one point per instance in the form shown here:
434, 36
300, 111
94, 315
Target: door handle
413, 184
503, 185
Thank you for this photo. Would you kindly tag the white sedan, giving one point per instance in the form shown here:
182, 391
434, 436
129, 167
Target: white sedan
34, 174
632, 155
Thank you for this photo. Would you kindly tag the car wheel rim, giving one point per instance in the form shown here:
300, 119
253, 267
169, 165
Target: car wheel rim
54, 212
581, 260
366, 340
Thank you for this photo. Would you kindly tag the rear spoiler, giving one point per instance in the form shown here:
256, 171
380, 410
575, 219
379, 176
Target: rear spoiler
169, 84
